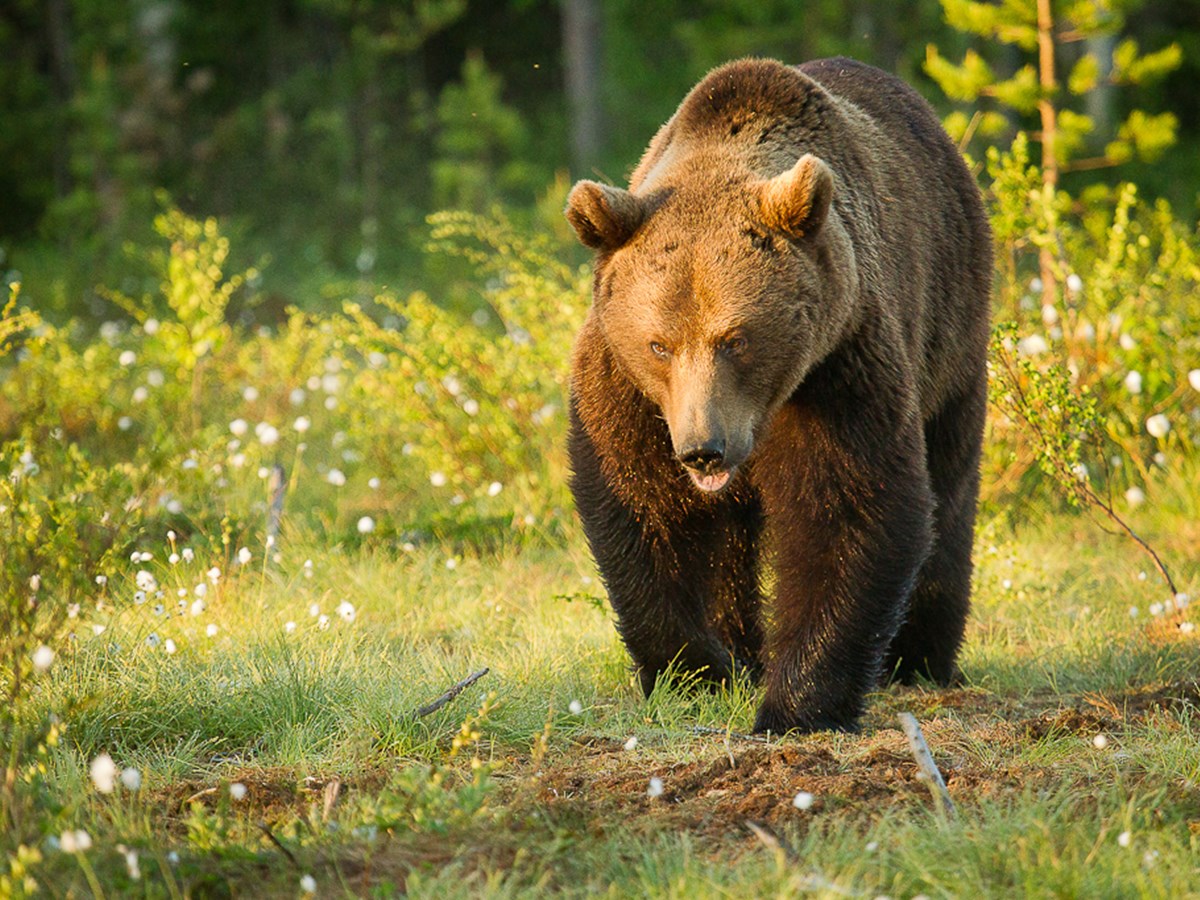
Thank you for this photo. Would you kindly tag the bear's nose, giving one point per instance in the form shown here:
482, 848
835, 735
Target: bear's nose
707, 457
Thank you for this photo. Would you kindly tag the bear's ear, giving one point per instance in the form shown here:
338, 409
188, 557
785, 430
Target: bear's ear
604, 217
797, 201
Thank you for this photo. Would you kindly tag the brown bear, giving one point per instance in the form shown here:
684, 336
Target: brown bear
785, 365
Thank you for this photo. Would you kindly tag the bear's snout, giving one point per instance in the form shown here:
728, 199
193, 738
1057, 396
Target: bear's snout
707, 464
706, 458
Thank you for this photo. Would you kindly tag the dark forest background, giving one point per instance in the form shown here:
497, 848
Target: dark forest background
322, 132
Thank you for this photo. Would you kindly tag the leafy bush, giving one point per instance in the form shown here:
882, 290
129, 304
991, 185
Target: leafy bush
1125, 332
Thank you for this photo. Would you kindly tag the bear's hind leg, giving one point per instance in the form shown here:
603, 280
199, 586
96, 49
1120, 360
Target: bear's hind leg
928, 642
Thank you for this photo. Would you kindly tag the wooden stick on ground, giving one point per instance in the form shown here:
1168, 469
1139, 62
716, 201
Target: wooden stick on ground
266, 829
929, 769
722, 732
453, 692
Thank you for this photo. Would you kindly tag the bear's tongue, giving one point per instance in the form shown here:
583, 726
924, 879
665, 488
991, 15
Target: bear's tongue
709, 483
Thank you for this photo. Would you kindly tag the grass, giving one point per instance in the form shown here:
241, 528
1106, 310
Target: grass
507, 792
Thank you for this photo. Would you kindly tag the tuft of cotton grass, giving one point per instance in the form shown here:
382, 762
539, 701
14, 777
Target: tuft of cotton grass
803, 800
103, 772
43, 658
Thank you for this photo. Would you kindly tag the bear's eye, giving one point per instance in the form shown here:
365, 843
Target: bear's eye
659, 350
734, 345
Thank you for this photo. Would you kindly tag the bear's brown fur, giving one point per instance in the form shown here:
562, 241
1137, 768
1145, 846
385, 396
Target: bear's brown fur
785, 362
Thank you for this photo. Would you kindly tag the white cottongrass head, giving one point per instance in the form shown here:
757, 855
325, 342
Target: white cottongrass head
239, 427
494, 488
1158, 425
237, 790
104, 773
322, 621
308, 884
437, 479
302, 424
131, 862
631, 743
211, 630
1135, 497
366, 525
1033, 345
244, 555
1100, 741
575, 707
1133, 381
75, 841
346, 611
43, 658
1194, 379
289, 627
655, 788
146, 581
131, 778
803, 800
1125, 838
336, 477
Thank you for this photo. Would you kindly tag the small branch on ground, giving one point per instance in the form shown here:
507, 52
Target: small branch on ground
929, 769
277, 485
266, 829
772, 841
330, 797
453, 692
756, 738
196, 796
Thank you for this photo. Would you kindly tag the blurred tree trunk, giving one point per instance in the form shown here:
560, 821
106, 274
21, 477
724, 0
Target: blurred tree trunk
1098, 102
581, 65
62, 68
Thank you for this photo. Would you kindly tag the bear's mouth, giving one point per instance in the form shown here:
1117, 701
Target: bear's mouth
710, 482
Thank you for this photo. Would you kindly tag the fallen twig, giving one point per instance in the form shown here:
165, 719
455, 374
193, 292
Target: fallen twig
929, 769
453, 692
772, 841
196, 796
278, 486
266, 829
757, 738
330, 796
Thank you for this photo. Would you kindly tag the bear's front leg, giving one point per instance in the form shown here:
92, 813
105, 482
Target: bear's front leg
666, 556
849, 505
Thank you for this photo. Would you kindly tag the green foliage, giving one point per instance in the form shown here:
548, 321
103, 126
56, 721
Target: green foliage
1090, 384
1034, 87
481, 143
476, 402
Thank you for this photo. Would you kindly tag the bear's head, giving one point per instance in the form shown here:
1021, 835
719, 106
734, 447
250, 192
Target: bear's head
717, 290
